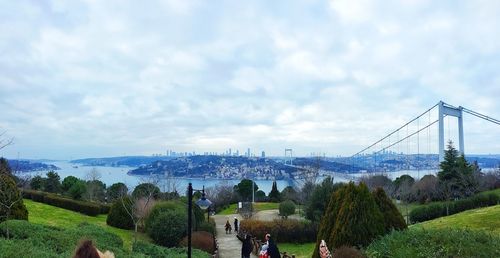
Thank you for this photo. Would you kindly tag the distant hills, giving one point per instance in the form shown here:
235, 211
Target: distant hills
129, 161
30, 165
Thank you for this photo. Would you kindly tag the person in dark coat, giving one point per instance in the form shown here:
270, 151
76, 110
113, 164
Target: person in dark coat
272, 249
235, 224
246, 247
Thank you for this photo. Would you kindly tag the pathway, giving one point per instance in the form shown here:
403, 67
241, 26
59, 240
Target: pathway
229, 245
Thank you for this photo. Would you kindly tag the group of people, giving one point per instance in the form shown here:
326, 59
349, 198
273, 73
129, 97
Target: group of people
269, 249
229, 228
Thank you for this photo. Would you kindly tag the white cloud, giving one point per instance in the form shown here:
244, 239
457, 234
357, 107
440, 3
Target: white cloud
103, 78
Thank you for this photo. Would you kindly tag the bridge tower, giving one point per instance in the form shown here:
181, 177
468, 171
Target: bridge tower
288, 157
448, 110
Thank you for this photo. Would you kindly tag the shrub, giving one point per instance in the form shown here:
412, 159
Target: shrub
88, 208
36, 196
201, 240
290, 230
352, 218
435, 243
10, 196
105, 208
347, 252
155, 251
390, 213
116, 191
118, 216
436, 210
207, 226
162, 207
168, 228
287, 208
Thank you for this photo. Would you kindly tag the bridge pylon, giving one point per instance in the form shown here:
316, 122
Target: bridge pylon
448, 110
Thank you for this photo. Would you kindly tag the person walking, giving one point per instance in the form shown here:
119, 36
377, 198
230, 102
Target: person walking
235, 224
246, 247
228, 227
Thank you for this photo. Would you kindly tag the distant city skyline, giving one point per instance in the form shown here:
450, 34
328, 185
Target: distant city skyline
112, 78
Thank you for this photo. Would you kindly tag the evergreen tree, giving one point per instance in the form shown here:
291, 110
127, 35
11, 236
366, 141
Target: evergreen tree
274, 195
245, 188
392, 217
456, 177
52, 183
11, 201
352, 218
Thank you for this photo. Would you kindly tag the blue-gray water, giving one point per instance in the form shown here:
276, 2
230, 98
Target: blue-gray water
111, 175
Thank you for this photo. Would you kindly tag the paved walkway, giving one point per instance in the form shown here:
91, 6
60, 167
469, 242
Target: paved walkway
229, 245
270, 215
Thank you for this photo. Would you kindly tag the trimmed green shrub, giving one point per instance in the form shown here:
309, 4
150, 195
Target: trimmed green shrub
437, 210
168, 228
287, 208
88, 208
435, 244
352, 218
390, 213
163, 207
207, 226
10, 196
105, 208
289, 231
155, 251
118, 216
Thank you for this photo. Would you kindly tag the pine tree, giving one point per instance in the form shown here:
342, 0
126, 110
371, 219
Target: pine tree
274, 195
392, 217
352, 218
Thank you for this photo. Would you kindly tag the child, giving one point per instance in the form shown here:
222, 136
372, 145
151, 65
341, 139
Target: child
263, 252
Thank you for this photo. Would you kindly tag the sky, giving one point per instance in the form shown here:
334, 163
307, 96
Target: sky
109, 78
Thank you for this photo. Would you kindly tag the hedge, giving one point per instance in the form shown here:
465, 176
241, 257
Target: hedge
437, 210
88, 208
284, 231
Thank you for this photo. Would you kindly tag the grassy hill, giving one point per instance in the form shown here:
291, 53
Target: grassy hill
43, 214
486, 219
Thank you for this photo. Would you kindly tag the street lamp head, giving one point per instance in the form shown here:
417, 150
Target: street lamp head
203, 202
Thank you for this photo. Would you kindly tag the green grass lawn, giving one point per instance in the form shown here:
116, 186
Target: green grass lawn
40, 213
486, 219
258, 206
299, 250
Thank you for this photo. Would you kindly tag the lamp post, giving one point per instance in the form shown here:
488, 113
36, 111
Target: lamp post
203, 203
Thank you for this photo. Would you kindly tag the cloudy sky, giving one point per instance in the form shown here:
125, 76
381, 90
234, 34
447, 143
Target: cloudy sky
106, 78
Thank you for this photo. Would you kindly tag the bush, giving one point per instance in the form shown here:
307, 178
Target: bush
118, 216
207, 226
105, 208
437, 210
88, 208
162, 207
168, 228
155, 251
347, 252
201, 240
287, 208
289, 231
352, 218
390, 213
435, 243
10, 196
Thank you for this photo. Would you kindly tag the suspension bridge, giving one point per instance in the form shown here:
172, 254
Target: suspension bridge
411, 147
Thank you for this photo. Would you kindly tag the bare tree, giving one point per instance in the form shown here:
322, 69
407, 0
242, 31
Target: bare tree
94, 186
168, 182
139, 206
